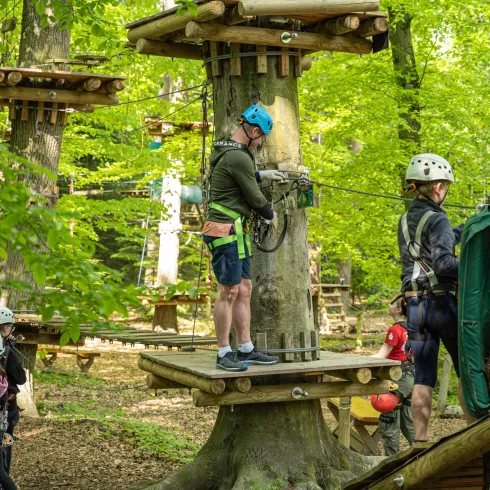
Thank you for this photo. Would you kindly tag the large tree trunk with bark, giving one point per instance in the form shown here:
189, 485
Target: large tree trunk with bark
273, 445
39, 142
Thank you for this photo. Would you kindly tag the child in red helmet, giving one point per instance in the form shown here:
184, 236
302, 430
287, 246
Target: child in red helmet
400, 418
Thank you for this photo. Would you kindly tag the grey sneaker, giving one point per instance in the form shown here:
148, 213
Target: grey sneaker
229, 362
256, 357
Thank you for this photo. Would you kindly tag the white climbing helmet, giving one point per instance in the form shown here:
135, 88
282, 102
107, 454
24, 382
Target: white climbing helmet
427, 166
6, 315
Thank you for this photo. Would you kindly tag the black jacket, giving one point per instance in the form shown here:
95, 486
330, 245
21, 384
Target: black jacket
16, 374
438, 242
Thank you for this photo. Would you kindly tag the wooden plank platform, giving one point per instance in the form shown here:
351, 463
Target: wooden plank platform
203, 364
72, 76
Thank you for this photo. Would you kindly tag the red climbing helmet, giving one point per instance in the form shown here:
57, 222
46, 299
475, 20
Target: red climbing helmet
385, 402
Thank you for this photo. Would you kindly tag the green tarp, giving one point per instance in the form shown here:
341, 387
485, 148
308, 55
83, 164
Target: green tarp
474, 312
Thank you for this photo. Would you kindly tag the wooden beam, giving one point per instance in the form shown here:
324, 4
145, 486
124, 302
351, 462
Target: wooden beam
53, 115
91, 84
2, 76
13, 78
212, 386
282, 393
236, 63
304, 337
216, 64
295, 7
392, 373
113, 87
62, 96
40, 112
335, 27
155, 382
272, 37
158, 28
361, 375
284, 64
232, 17
24, 114
238, 384
170, 50
344, 421
373, 27
444, 457
261, 60
288, 343
46, 338
306, 63
261, 341
315, 342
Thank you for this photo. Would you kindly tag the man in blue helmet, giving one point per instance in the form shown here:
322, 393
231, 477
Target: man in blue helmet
234, 194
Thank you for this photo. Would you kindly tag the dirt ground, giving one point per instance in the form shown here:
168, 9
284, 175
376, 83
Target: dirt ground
90, 439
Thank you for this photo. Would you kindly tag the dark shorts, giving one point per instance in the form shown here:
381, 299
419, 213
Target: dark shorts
228, 268
430, 320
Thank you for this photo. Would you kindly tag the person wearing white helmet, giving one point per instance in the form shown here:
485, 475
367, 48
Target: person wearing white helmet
16, 375
426, 241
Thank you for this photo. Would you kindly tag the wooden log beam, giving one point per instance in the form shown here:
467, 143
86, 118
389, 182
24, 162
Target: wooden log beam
233, 17
62, 96
295, 7
212, 386
306, 63
155, 382
91, 84
2, 76
282, 393
13, 78
170, 50
392, 373
158, 28
373, 27
272, 37
361, 375
336, 27
238, 384
113, 86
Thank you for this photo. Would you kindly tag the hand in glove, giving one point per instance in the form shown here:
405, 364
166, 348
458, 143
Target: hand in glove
271, 175
273, 222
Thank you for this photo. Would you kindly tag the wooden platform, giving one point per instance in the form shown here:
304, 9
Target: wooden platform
203, 364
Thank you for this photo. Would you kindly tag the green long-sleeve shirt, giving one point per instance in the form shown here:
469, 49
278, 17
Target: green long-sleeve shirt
233, 181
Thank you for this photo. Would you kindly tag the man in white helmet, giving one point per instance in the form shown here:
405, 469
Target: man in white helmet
16, 374
426, 241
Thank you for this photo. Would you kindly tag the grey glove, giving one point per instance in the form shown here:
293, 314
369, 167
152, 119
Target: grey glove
271, 175
272, 222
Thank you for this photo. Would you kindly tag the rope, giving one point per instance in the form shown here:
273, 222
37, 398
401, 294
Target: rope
91, 138
252, 53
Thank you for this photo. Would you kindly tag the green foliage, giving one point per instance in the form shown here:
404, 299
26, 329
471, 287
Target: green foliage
186, 6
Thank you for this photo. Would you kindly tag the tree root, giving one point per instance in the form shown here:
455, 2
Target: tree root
273, 446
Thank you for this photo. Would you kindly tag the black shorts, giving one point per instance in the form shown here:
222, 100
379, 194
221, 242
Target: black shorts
430, 320
228, 268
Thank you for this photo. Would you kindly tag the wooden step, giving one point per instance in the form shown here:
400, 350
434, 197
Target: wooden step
333, 305
331, 295
336, 315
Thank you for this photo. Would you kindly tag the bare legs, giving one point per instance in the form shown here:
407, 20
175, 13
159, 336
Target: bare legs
233, 306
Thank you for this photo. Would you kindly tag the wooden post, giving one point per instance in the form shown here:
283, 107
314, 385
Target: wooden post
261, 341
24, 115
236, 63
288, 343
238, 384
40, 112
12, 109
338, 26
213, 386
53, 114
271, 37
216, 64
91, 84
62, 96
392, 373
305, 341
444, 383
64, 114
344, 421
283, 393
315, 342
166, 25
13, 78
284, 64
373, 27
295, 7
261, 60
169, 49
155, 382
359, 375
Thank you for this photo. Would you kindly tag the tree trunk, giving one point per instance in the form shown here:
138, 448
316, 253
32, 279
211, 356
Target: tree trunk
407, 79
38, 143
274, 445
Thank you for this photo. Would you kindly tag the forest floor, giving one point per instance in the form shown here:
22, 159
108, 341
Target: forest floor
90, 439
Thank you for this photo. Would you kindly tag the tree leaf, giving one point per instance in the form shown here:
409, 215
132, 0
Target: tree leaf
39, 273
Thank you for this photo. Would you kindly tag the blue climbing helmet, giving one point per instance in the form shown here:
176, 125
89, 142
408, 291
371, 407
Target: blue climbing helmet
258, 116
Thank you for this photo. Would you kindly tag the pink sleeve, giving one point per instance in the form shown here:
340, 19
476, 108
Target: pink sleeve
3, 385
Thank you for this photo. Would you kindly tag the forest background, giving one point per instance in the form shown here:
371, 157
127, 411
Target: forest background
352, 116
